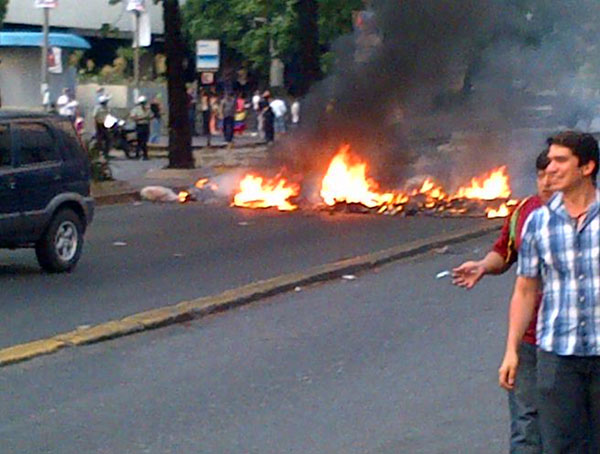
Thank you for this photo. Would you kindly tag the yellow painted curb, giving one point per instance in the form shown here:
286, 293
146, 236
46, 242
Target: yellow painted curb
30, 350
156, 317
187, 310
99, 332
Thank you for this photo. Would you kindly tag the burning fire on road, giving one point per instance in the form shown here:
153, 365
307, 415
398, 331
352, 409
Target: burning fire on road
258, 192
346, 185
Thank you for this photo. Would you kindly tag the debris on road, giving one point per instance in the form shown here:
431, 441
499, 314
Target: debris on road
349, 277
120, 243
443, 274
158, 194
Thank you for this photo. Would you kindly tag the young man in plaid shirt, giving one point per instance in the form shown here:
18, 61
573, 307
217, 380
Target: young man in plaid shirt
560, 253
524, 428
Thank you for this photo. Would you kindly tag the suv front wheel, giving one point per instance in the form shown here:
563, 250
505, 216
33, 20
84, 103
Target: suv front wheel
59, 248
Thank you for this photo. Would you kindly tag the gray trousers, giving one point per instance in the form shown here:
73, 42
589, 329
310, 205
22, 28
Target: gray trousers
569, 403
525, 435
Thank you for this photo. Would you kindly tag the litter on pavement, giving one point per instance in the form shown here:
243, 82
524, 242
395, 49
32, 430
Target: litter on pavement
158, 194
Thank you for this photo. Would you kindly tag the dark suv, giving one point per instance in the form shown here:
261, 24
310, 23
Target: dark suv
44, 188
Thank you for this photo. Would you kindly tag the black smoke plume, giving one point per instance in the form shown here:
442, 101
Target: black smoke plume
454, 88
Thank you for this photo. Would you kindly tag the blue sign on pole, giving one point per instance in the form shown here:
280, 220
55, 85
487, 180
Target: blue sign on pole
207, 55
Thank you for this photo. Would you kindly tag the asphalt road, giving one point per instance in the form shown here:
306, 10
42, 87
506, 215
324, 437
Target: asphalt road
392, 362
173, 253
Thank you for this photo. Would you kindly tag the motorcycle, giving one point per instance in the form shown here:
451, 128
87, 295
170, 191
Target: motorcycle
121, 134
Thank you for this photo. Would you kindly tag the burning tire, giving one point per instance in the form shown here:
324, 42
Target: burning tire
59, 249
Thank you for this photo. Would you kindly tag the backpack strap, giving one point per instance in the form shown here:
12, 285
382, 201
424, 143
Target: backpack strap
512, 232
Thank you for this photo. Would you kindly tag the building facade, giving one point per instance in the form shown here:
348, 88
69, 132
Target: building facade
83, 24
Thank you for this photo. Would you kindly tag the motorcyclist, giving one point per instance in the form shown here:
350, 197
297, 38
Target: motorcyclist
101, 111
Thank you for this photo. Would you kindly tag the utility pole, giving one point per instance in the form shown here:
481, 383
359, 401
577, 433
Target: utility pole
44, 78
136, 58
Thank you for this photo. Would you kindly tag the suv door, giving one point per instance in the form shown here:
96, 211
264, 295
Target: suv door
39, 177
10, 210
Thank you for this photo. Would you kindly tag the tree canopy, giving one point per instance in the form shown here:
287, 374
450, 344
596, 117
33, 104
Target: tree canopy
3, 7
245, 28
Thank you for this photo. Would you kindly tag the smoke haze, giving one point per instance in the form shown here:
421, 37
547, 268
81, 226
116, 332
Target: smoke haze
455, 88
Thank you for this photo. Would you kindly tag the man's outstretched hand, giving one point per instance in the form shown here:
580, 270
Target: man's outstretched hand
468, 274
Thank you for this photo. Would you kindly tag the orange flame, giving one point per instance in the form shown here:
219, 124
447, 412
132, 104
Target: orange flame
502, 212
495, 185
201, 183
183, 196
346, 181
256, 192
432, 190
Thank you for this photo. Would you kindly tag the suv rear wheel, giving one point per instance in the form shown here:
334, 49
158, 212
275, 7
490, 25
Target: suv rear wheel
59, 248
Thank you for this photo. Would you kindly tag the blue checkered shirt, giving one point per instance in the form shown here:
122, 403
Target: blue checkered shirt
567, 261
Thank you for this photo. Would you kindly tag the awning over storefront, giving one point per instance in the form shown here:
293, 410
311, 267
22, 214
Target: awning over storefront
35, 39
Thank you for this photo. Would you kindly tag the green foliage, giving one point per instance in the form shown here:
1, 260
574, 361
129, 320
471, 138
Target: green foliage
3, 7
335, 18
245, 27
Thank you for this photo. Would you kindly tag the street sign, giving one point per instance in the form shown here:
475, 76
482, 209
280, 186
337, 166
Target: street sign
136, 5
46, 3
207, 55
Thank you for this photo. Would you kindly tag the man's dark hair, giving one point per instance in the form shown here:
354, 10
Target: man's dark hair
542, 160
583, 145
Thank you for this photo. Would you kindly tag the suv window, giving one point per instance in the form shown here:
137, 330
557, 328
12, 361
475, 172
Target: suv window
5, 146
69, 139
37, 144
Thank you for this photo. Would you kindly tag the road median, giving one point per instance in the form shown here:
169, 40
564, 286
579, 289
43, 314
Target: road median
229, 299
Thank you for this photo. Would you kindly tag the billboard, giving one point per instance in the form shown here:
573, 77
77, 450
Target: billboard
46, 3
207, 55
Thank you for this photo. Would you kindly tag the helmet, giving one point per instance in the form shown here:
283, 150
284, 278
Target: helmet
103, 99
142, 100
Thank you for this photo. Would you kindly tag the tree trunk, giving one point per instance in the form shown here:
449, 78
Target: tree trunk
180, 138
310, 67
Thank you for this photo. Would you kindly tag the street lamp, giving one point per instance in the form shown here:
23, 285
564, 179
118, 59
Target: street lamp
137, 7
46, 5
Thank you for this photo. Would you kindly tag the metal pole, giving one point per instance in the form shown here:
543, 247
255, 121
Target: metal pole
44, 86
136, 59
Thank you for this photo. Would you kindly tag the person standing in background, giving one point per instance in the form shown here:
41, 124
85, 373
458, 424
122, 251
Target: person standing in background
295, 112
279, 110
228, 105
205, 109
101, 111
191, 97
155, 123
257, 116
240, 115
268, 117
215, 108
141, 114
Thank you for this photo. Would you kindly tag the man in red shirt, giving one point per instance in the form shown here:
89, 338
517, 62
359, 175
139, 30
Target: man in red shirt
524, 431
